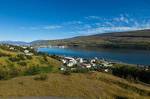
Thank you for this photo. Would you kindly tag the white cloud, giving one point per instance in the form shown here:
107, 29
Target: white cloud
46, 27
93, 17
122, 18
97, 24
49, 27
106, 30
73, 23
115, 24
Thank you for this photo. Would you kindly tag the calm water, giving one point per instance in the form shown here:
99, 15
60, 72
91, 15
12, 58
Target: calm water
122, 55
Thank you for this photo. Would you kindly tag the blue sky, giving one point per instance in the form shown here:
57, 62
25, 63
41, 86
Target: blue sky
28, 20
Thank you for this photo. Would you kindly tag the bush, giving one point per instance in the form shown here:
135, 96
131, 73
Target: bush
32, 71
4, 54
37, 70
132, 73
55, 57
45, 58
21, 56
22, 63
4, 75
8, 72
42, 76
67, 72
81, 70
29, 57
13, 72
14, 59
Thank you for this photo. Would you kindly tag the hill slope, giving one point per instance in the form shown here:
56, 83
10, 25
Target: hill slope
14, 62
134, 39
19, 43
92, 85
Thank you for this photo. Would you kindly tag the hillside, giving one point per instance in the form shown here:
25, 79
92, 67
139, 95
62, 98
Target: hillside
37, 74
134, 39
88, 86
17, 61
20, 43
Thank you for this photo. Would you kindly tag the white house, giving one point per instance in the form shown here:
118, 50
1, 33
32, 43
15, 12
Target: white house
64, 61
86, 65
80, 60
69, 61
24, 47
26, 51
93, 64
106, 70
11, 48
93, 61
29, 54
107, 64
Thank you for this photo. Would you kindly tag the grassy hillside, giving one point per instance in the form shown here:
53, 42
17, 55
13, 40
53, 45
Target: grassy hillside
134, 39
38, 75
15, 63
92, 85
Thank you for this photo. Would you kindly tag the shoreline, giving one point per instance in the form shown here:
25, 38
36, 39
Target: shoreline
76, 49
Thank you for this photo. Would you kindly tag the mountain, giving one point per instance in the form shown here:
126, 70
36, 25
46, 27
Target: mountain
20, 43
133, 39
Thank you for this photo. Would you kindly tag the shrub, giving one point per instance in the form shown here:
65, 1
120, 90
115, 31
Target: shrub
42, 77
22, 63
55, 57
21, 56
4, 54
14, 59
29, 57
120, 97
132, 73
13, 72
32, 70
67, 72
81, 70
4, 74
37, 70
45, 58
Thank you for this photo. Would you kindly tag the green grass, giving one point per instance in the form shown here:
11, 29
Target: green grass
15, 63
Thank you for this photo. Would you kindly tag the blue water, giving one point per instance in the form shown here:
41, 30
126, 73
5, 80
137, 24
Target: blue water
123, 55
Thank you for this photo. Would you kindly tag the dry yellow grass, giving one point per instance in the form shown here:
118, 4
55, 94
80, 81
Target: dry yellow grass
90, 85
7, 52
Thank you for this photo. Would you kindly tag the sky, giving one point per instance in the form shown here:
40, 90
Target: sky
29, 20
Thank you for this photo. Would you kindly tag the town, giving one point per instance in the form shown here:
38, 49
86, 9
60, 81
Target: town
82, 64
68, 65
76, 64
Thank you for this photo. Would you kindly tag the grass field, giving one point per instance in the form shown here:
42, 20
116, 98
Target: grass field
91, 85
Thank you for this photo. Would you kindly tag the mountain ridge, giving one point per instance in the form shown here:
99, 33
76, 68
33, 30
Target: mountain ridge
139, 39
15, 43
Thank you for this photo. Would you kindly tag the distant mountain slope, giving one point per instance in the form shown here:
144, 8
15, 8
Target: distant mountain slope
133, 39
15, 43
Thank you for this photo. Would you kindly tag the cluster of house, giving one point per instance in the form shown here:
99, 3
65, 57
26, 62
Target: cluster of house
50, 46
25, 51
74, 63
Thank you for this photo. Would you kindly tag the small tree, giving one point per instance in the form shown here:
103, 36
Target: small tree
67, 72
